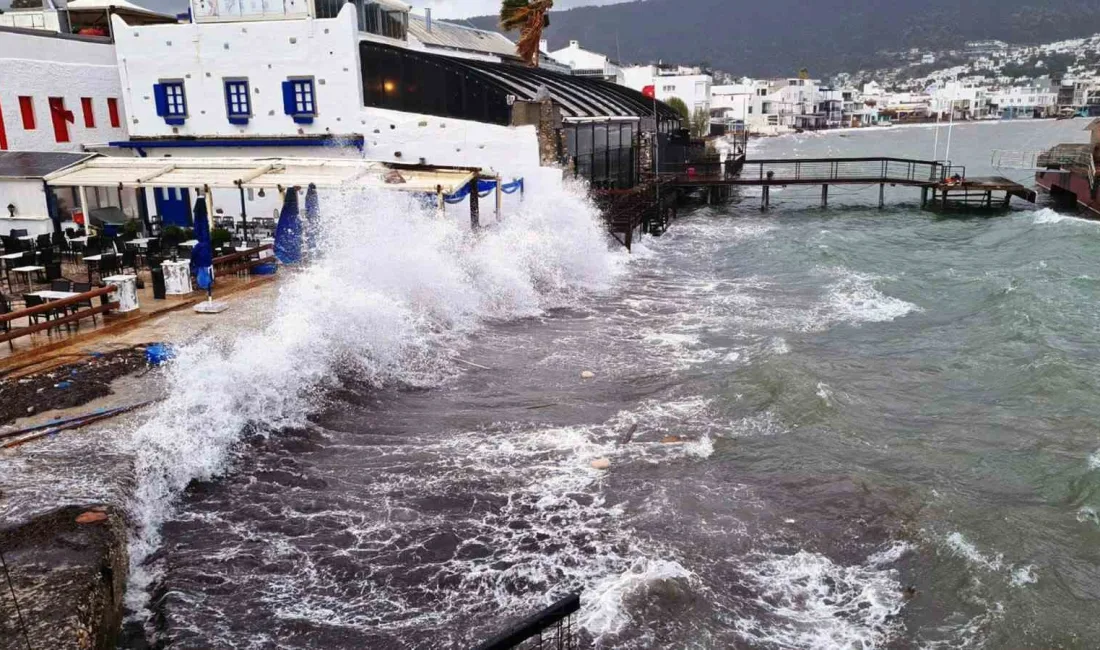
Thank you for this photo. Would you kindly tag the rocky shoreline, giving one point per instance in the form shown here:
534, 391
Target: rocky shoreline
65, 577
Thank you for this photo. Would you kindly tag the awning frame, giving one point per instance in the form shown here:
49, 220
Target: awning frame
259, 173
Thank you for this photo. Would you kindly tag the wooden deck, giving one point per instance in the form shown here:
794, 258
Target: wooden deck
949, 187
36, 349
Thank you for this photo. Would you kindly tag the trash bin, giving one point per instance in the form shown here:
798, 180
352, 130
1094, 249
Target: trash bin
159, 292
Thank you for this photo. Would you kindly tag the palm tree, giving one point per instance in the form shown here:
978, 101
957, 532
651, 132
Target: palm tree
530, 18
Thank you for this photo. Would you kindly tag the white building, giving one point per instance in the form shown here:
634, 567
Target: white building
328, 78
691, 85
59, 93
83, 17
964, 102
586, 63
1024, 101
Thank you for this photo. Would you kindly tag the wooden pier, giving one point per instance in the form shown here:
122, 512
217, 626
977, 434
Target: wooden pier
948, 185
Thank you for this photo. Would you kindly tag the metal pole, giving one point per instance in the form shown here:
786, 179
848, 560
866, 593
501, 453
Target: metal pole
499, 198
950, 124
244, 214
475, 209
936, 143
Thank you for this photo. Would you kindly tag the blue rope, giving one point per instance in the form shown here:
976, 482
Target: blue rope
484, 189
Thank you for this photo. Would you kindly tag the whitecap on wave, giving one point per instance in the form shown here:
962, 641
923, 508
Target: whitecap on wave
809, 601
1048, 216
394, 292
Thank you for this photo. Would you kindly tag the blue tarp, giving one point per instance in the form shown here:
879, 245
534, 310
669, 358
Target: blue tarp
484, 189
202, 255
288, 234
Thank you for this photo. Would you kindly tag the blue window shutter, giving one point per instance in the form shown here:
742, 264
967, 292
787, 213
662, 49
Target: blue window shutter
160, 97
288, 98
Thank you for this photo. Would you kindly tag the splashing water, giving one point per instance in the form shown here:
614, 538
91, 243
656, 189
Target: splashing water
393, 293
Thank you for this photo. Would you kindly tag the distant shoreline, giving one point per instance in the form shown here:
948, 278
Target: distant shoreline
926, 125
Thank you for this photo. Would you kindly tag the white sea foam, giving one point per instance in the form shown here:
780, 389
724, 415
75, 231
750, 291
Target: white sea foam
1024, 575
1094, 460
890, 554
812, 602
395, 289
605, 611
965, 549
855, 299
1048, 216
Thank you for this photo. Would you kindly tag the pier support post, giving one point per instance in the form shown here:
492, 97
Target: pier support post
766, 197
923, 197
824, 196
475, 209
881, 195
944, 200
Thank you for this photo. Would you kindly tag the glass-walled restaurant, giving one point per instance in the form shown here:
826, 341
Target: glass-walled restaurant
604, 153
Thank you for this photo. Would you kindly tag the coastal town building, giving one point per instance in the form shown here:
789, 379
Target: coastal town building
690, 84
586, 63
1024, 102
960, 101
83, 17
60, 93
363, 79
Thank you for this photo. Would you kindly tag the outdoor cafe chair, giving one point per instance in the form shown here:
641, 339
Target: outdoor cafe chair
32, 300
82, 287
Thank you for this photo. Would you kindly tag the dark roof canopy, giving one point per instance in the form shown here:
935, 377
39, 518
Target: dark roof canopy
577, 96
36, 164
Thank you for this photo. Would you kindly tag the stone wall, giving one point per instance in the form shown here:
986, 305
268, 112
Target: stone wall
68, 569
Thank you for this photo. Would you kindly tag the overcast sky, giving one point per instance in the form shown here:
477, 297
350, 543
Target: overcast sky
440, 8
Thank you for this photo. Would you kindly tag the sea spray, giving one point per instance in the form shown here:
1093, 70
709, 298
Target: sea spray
393, 291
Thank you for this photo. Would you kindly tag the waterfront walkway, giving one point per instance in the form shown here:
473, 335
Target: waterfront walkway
949, 186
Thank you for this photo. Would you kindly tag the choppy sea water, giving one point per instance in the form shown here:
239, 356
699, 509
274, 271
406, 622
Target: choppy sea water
848, 428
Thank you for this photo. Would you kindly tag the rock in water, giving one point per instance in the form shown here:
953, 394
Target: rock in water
91, 517
671, 440
587, 374
601, 463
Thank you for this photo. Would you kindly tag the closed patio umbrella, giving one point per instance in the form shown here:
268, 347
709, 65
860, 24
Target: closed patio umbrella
288, 232
313, 222
202, 255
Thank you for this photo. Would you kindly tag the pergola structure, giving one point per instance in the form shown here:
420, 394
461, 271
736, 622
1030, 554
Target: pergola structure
268, 173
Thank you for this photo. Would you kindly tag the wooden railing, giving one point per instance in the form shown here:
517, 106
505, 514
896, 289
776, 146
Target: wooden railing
53, 306
241, 260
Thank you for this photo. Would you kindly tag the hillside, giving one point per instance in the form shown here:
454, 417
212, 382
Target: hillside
781, 36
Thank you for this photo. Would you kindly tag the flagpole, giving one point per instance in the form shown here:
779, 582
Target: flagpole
950, 124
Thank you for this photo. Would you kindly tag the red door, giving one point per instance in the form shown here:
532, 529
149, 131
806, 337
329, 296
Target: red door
61, 119
3, 133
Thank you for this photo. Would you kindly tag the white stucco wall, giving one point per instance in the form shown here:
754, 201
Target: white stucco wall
693, 89
44, 66
29, 199
267, 53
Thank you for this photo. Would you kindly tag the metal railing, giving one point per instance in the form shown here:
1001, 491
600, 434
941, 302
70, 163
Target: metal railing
823, 170
551, 628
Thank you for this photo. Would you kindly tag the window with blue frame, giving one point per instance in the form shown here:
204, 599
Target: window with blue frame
171, 101
299, 99
238, 107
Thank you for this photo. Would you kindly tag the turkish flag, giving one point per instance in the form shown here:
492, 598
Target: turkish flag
650, 92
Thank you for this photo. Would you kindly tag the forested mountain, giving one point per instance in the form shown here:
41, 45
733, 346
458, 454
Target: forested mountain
778, 37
